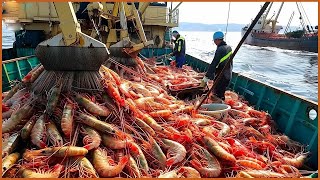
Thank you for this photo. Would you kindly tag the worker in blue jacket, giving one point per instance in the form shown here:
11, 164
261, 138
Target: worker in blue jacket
179, 50
221, 56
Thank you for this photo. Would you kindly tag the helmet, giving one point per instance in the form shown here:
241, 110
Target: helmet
218, 35
175, 34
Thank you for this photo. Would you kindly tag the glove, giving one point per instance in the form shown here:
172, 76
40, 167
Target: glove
204, 81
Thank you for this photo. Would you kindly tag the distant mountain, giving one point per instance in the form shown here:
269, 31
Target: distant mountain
232, 27
186, 26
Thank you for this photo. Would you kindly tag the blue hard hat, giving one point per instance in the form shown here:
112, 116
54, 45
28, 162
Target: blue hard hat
218, 35
175, 32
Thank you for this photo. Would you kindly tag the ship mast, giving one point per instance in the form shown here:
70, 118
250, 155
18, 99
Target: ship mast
264, 23
276, 18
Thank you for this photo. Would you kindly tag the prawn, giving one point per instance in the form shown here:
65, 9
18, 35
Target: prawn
53, 97
26, 130
9, 161
217, 150
153, 147
114, 143
189, 172
96, 124
175, 150
23, 113
67, 119
54, 173
92, 138
54, 134
60, 152
38, 133
10, 144
161, 113
92, 107
212, 168
104, 168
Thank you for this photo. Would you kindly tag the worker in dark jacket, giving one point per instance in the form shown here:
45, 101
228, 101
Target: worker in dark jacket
179, 50
221, 56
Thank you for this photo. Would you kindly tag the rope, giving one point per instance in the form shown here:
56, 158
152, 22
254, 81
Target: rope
305, 14
227, 22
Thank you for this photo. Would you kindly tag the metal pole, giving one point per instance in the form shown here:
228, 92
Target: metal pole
235, 52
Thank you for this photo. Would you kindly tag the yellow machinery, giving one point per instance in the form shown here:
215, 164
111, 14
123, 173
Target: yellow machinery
155, 18
71, 50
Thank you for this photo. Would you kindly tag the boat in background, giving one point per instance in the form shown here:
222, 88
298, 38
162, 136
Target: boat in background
266, 34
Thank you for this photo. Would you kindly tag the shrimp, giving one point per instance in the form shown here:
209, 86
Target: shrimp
26, 130
212, 166
189, 172
162, 100
170, 174
261, 163
249, 164
152, 123
92, 107
38, 133
152, 90
291, 170
264, 173
148, 104
54, 135
12, 91
114, 143
112, 90
156, 151
53, 98
104, 168
54, 173
92, 138
140, 89
144, 126
23, 113
9, 161
33, 74
236, 114
296, 161
96, 124
225, 129
137, 153
124, 88
133, 168
201, 121
243, 174
60, 152
10, 144
67, 119
86, 169
174, 149
161, 113
217, 150
186, 109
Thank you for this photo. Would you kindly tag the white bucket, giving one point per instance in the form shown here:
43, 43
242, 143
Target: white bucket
218, 111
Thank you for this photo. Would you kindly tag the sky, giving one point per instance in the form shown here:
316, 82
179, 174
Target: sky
242, 12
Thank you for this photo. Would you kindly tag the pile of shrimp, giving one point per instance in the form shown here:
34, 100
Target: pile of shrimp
176, 78
136, 130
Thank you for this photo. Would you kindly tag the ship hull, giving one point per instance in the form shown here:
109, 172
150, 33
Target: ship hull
309, 44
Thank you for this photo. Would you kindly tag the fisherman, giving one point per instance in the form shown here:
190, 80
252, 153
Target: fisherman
221, 56
179, 50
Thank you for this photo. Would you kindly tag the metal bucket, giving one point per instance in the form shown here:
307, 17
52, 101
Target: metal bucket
218, 111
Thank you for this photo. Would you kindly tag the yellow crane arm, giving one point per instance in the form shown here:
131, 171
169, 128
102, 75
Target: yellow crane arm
144, 6
68, 22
